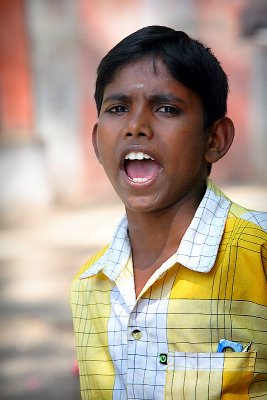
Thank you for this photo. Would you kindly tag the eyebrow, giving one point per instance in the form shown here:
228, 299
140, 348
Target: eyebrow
165, 98
117, 96
154, 98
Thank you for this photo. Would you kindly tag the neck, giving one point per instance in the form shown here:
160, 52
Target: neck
156, 235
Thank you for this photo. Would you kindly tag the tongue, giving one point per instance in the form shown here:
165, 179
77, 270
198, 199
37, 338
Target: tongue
141, 169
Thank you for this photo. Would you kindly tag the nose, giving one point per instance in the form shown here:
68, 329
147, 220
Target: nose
138, 124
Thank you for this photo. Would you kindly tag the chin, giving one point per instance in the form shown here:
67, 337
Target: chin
143, 205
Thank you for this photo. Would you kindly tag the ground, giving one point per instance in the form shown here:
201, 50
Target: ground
40, 253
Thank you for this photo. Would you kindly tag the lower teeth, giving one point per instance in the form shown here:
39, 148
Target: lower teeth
139, 180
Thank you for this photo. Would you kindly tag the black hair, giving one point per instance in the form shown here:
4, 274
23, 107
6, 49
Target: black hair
187, 60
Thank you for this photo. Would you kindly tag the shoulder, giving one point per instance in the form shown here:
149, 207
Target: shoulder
246, 238
258, 219
247, 231
85, 292
91, 261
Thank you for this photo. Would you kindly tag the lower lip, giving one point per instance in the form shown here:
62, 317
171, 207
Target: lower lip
140, 185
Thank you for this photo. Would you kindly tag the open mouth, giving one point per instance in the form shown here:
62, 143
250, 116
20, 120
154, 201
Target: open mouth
141, 167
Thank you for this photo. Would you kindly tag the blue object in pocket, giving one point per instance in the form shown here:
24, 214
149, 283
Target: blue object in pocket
228, 344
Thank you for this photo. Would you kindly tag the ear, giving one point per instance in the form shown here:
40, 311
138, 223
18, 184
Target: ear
220, 138
94, 141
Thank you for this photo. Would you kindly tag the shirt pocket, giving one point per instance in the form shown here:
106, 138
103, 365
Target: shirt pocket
209, 376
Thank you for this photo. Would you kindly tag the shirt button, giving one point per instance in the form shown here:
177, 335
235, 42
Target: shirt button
137, 334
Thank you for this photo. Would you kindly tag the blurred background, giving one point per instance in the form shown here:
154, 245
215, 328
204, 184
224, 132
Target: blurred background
56, 205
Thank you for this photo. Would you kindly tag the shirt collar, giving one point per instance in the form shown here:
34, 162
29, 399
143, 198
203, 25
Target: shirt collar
198, 248
117, 255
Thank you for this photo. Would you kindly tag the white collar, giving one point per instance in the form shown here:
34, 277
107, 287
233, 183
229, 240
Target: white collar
198, 248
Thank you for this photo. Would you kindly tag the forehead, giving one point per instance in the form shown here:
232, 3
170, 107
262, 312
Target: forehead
147, 77
139, 73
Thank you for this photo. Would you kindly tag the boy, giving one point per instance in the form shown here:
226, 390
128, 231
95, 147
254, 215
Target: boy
175, 306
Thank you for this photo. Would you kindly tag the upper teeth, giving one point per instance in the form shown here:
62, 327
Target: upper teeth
138, 155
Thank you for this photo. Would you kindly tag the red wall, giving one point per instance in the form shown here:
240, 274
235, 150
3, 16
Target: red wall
16, 108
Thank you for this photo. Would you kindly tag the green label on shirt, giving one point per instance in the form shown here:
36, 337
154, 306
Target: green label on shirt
163, 359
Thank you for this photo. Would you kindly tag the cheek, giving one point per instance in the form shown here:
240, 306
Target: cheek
102, 142
106, 152
187, 152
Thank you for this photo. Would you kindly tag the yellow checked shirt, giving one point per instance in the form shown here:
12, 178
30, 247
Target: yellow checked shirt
163, 345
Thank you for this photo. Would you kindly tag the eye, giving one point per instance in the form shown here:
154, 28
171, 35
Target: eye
168, 110
118, 109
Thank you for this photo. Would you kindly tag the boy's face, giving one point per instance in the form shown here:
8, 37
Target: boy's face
150, 138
